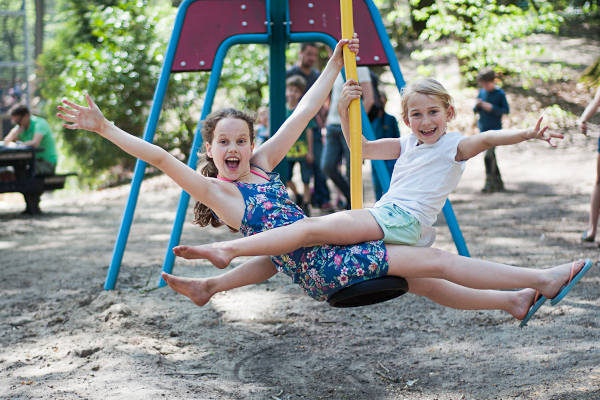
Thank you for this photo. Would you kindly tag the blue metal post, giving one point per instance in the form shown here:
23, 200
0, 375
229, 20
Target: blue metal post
457, 236
211, 90
278, 12
140, 166
387, 45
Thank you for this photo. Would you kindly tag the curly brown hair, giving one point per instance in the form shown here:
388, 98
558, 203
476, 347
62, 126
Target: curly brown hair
203, 215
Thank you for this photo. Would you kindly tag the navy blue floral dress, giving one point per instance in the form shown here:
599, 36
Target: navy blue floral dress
320, 270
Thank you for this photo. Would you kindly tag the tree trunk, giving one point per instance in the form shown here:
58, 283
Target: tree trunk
40, 11
591, 74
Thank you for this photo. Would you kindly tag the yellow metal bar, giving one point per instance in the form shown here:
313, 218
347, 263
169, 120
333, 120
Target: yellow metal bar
356, 191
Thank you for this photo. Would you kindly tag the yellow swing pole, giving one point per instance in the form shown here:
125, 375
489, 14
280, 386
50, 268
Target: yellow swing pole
356, 191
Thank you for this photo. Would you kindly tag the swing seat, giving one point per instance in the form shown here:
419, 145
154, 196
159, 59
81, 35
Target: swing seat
369, 292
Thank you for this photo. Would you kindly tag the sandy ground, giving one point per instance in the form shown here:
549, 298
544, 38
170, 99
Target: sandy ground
63, 337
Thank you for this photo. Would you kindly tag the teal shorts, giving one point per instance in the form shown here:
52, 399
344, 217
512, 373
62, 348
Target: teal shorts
399, 227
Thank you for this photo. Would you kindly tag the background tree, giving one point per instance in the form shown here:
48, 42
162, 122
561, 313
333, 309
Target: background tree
114, 51
592, 74
12, 47
486, 33
40, 14
109, 50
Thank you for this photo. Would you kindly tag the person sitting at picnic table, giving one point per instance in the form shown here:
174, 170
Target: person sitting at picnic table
34, 131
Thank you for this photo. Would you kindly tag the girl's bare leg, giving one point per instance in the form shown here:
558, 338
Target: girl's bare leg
449, 294
341, 228
200, 290
420, 262
594, 203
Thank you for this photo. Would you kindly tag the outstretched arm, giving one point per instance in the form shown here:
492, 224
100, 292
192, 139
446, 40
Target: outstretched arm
380, 149
589, 111
90, 118
473, 145
273, 150
13, 134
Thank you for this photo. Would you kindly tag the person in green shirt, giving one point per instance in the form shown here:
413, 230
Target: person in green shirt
33, 131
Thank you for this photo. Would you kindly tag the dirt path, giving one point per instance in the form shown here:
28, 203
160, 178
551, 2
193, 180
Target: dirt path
63, 337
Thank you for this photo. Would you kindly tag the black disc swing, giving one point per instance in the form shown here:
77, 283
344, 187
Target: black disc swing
384, 288
369, 292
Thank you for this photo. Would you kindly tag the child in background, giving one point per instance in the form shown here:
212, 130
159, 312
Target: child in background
235, 188
262, 125
589, 235
491, 104
301, 151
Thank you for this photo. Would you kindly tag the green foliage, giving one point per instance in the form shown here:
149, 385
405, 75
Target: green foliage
558, 119
591, 75
12, 43
112, 52
486, 33
397, 18
245, 76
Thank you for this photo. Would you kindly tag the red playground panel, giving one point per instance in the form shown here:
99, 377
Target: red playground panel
208, 23
324, 16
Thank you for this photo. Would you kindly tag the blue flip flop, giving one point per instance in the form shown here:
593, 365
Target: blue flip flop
586, 238
536, 306
565, 289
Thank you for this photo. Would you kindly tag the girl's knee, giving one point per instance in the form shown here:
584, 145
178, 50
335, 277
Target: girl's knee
437, 258
420, 286
437, 262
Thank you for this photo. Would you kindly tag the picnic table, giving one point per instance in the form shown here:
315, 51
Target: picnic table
22, 179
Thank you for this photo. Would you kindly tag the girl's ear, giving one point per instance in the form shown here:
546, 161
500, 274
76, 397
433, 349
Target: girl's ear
208, 152
450, 113
406, 122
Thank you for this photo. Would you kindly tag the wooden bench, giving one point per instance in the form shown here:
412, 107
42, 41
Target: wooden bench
31, 186
36, 184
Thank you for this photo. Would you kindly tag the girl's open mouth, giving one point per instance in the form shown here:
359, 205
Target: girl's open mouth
232, 162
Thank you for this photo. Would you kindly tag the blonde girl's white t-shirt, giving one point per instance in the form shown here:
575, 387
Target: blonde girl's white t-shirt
424, 175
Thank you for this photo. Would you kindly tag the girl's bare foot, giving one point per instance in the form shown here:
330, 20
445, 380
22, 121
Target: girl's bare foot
218, 256
197, 290
521, 303
559, 276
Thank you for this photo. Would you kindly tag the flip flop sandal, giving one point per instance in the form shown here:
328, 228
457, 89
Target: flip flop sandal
538, 300
572, 281
586, 238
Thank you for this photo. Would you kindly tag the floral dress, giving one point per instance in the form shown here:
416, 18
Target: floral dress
320, 270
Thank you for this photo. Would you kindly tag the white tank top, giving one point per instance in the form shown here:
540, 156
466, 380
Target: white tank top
424, 175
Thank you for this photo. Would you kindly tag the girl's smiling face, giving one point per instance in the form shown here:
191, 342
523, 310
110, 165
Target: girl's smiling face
427, 117
231, 148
